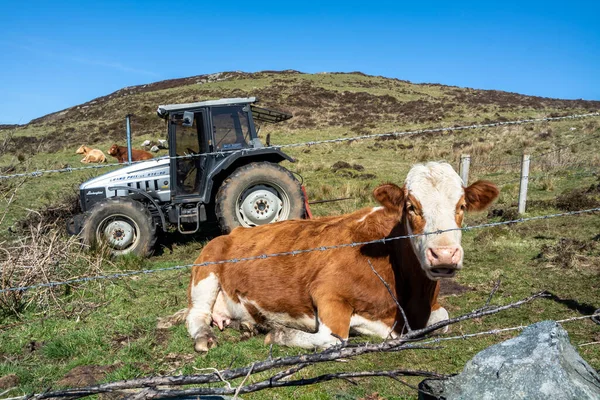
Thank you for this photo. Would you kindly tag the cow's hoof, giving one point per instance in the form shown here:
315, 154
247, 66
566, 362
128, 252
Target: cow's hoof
204, 343
274, 336
437, 316
269, 338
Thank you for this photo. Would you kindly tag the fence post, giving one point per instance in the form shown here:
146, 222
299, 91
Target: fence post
524, 183
128, 123
465, 161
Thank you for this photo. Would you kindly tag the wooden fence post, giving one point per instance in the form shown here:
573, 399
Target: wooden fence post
524, 183
465, 161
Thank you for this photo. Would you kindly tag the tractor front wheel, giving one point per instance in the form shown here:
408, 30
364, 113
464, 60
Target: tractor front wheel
257, 194
122, 226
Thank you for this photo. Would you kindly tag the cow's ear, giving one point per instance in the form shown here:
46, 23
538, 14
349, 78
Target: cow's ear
390, 196
480, 194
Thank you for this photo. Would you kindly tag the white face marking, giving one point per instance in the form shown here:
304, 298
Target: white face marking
373, 328
438, 188
374, 210
203, 296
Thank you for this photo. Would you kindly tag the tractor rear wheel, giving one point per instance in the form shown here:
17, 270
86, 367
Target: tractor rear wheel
122, 226
258, 194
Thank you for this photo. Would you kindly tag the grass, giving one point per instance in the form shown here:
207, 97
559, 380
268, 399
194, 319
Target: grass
112, 323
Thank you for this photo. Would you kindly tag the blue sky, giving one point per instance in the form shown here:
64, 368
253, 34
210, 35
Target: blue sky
62, 53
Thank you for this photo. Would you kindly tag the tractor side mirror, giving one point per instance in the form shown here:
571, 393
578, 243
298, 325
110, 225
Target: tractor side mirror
188, 118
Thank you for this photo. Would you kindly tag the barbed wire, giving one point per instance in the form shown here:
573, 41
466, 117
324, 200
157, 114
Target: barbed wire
310, 143
535, 155
564, 147
502, 330
530, 178
293, 252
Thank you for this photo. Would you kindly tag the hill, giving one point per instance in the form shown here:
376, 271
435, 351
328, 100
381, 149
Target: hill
354, 101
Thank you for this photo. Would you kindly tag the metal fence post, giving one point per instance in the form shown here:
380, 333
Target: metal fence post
465, 161
524, 183
127, 119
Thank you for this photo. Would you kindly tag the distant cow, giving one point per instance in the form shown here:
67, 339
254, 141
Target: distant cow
120, 153
316, 299
91, 155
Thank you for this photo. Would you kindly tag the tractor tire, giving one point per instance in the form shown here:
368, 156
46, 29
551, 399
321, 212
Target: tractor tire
122, 226
258, 194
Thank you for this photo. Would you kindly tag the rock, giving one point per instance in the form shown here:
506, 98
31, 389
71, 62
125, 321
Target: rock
9, 381
146, 143
540, 363
154, 149
163, 144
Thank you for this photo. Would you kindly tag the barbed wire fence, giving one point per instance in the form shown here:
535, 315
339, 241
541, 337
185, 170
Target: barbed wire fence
292, 252
40, 172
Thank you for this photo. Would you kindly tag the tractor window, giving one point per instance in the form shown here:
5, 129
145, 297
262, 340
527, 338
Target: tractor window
188, 169
231, 128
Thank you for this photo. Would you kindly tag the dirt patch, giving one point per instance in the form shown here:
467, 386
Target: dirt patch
9, 381
570, 253
576, 199
85, 375
122, 339
33, 346
162, 336
505, 214
452, 288
344, 165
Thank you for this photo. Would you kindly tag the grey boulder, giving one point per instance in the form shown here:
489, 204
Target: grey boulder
540, 363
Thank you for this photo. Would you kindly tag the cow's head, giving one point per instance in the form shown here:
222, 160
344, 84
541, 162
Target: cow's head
113, 150
433, 198
81, 150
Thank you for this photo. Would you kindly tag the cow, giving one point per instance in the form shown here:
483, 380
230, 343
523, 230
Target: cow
91, 155
316, 299
120, 153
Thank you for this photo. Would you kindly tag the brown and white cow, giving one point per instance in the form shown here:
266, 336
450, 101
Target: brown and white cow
316, 299
120, 153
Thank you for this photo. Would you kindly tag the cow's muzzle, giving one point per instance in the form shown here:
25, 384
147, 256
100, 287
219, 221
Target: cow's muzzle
444, 261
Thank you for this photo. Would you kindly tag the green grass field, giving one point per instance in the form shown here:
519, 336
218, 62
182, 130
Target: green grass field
108, 327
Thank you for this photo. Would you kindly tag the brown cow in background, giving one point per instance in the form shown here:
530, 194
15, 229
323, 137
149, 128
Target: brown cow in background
120, 153
317, 299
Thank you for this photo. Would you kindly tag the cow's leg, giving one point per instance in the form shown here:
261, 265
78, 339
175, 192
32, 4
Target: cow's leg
204, 289
438, 313
334, 326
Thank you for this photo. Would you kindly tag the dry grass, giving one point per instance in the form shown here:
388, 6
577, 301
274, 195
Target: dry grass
44, 255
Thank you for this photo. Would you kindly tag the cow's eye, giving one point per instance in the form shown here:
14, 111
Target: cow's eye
410, 208
463, 207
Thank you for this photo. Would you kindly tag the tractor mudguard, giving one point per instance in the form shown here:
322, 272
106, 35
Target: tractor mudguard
269, 154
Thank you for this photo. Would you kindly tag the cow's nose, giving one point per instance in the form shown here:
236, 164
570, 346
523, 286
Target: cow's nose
443, 256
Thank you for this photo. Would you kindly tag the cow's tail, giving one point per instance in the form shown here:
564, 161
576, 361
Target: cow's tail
172, 320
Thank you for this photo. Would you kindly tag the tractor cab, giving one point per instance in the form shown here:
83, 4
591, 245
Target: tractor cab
207, 141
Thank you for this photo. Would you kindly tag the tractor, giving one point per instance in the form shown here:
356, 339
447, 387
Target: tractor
217, 170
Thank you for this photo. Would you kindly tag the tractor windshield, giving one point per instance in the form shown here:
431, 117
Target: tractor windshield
231, 128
